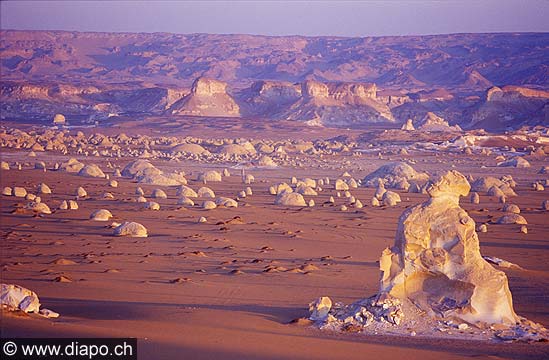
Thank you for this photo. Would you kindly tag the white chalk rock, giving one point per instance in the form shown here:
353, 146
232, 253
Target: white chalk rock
290, 199
439, 268
248, 179
184, 190
210, 176
512, 219
208, 205
38, 207
81, 192
183, 200
101, 215
393, 174
47, 313
226, 202
131, 229
15, 297
19, 191
390, 198
43, 189
73, 205
206, 192
511, 208
151, 205
159, 194
320, 308
341, 185
92, 171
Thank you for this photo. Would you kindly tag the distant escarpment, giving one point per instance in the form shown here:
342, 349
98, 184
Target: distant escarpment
494, 81
511, 105
317, 103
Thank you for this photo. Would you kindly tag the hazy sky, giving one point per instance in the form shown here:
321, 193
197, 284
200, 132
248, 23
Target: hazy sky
343, 18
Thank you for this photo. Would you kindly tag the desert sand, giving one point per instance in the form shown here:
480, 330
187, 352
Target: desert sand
232, 285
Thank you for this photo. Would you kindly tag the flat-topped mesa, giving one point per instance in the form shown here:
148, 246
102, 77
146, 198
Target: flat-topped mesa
436, 264
208, 97
339, 104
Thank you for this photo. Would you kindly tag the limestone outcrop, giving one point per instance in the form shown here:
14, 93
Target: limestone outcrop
436, 262
434, 278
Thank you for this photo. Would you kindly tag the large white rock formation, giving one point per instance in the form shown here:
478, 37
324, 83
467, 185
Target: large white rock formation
436, 264
434, 278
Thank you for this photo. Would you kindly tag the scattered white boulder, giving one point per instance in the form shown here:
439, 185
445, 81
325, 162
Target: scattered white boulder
19, 192
512, 219
81, 192
71, 166
393, 175
208, 205
101, 215
341, 185
290, 199
38, 207
511, 208
151, 205
516, 162
159, 194
186, 191
205, 192
390, 198
92, 171
183, 200
130, 229
43, 189
226, 202
210, 176
15, 297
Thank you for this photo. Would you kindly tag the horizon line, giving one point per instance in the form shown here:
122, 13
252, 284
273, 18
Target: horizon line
275, 36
